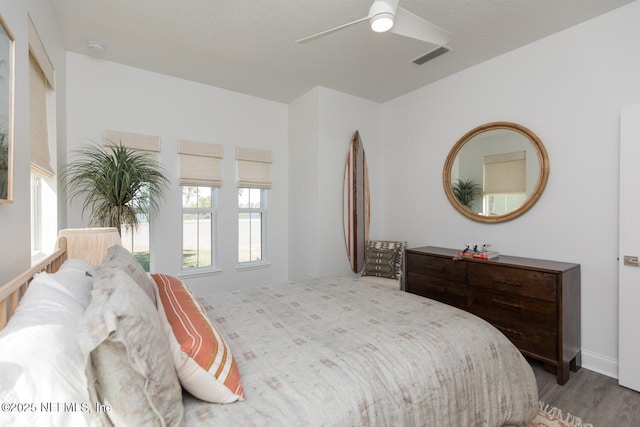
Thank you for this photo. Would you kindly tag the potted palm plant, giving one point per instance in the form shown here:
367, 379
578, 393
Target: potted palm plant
116, 182
468, 192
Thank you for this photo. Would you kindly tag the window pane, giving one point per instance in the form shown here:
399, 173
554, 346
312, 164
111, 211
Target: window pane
243, 197
189, 197
256, 236
204, 240
36, 214
244, 237
204, 197
501, 204
249, 237
137, 241
254, 198
189, 241
197, 227
250, 217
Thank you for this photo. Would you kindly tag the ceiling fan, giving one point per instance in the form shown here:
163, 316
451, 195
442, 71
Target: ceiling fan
386, 15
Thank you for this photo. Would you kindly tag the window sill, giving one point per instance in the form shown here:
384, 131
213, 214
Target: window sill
199, 272
36, 257
252, 265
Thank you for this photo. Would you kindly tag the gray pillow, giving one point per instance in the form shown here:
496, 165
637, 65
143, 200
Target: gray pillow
118, 256
128, 357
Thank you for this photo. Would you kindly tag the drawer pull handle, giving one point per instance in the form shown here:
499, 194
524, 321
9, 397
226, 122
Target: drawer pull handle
507, 305
508, 283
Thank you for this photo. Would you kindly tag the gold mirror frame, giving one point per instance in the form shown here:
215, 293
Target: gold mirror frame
543, 160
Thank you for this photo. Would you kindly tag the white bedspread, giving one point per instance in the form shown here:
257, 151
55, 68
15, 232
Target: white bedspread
344, 352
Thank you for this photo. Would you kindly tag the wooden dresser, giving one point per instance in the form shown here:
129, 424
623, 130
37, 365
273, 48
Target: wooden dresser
535, 303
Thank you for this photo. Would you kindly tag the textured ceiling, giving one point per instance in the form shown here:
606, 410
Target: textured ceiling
248, 46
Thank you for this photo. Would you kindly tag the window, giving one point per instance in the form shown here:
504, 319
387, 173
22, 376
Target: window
200, 177
198, 225
42, 143
504, 182
252, 213
254, 179
137, 241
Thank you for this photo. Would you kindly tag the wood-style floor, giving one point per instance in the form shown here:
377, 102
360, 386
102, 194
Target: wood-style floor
596, 398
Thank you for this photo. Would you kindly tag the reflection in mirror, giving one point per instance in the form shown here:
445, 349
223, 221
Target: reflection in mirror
496, 172
6, 112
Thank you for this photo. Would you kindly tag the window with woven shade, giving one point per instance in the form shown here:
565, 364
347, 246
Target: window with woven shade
254, 181
200, 178
505, 182
137, 241
42, 143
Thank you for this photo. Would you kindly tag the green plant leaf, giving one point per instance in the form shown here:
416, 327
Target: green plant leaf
116, 183
468, 192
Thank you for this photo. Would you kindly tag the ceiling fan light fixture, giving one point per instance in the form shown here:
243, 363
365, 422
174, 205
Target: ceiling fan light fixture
382, 22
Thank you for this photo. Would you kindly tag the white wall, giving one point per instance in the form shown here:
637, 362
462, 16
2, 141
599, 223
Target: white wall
321, 125
568, 89
105, 95
304, 189
15, 224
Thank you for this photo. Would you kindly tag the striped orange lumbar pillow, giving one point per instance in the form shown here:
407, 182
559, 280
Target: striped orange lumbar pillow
206, 368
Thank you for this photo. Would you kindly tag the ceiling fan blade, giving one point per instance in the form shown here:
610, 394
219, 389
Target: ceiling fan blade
411, 25
333, 30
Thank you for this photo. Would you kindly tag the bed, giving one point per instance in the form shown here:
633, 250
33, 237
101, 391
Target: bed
336, 351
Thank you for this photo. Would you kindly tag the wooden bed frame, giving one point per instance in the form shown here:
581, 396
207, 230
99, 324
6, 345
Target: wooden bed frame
11, 292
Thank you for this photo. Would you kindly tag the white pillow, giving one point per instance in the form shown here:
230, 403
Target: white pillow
76, 264
41, 361
76, 277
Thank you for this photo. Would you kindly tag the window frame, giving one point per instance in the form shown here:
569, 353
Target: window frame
213, 211
36, 215
263, 211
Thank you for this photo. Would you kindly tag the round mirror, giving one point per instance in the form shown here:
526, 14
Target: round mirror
496, 172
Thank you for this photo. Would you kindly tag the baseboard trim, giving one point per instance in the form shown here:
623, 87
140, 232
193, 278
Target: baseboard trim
600, 363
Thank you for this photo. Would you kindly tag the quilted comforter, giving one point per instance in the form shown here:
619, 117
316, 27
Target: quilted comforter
345, 352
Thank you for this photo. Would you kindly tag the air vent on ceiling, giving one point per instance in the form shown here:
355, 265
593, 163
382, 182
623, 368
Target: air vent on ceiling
431, 55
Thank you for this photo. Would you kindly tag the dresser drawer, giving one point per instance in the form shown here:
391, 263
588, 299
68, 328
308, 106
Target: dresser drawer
453, 293
539, 313
444, 268
529, 283
528, 338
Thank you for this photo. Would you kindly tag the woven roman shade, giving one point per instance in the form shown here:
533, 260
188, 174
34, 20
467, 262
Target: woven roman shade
133, 141
505, 173
41, 80
38, 87
36, 48
200, 163
254, 167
